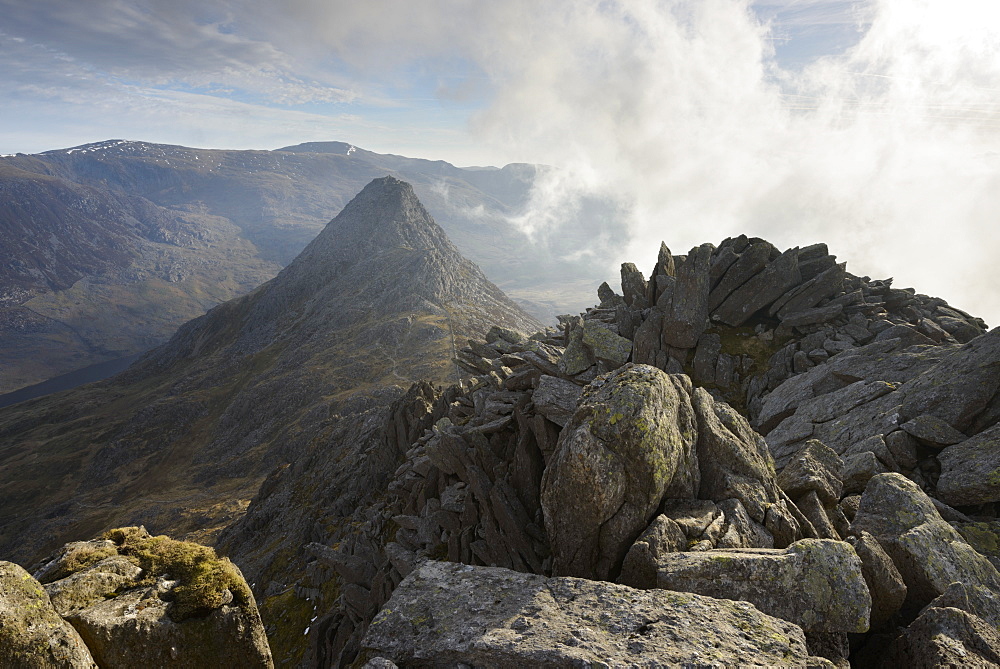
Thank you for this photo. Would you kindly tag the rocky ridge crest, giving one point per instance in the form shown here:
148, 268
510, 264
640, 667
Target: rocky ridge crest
610, 449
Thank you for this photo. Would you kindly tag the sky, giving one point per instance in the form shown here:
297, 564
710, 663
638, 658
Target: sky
871, 125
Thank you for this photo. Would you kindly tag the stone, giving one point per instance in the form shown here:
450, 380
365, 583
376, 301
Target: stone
815, 583
984, 536
970, 471
633, 286
858, 469
706, 357
740, 530
812, 316
693, 516
646, 344
885, 584
606, 295
960, 386
945, 637
633, 434
688, 314
447, 614
812, 508
760, 291
929, 553
662, 536
605, 345
734, 461
93, 585
932, 431
782, 524
577, 357
959, 328
32, 634
812, 292
816, 467
747, 265
556, 398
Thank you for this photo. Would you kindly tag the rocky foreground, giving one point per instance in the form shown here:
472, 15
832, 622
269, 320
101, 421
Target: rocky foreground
752, 457
748, 426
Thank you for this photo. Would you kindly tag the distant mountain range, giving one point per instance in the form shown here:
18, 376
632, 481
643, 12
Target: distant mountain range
113, 245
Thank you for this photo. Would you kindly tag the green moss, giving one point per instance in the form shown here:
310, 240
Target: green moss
80, 558
202, 576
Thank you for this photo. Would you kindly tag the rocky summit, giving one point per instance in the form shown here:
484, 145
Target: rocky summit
747, 456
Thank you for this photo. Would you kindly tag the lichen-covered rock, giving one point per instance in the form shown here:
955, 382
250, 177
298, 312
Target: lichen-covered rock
816, 467
970, 470
157, 602
885, 584
447, 614
984, 537
662, 536
945, 637
556, 398
815, 583
630, 442
734, 460
577, 356
688, 314
605, 344
32, 634
929, 553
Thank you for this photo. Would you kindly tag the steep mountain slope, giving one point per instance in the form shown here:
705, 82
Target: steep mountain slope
95, 274
196, 227
183, 438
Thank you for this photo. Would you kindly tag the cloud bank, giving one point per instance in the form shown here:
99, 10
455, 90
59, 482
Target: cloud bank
871, 125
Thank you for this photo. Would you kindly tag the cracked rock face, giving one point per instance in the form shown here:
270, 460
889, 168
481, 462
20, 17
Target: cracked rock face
444, 614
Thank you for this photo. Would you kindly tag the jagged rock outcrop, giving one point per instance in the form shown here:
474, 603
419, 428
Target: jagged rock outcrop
444, 614
130, 600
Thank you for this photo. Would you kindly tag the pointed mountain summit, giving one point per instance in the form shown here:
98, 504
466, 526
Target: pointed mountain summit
379, 299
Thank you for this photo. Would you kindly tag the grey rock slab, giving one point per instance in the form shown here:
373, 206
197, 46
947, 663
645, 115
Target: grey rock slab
32, 634
815, 583
688, 314
932, 431
741, 531
812, 316
812, 508
745, 267
960, 386
970, 471
810, 293
816, 467
959, 328
858, 469
984, 536
447, 614
693, 516
706, 357
633, 286
556, 398
647, 338
633, 434
577, 357
761, 290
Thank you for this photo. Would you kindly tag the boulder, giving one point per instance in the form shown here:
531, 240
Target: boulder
447, 614
810, 293
32, 634
984, 536
630, 442
556, 398
744, 268
647, 338
932, 431
929, 553
662, 536
577, 356
970, 470
733, 459
816, 467
885, 584
633, 286
604, 344
945, 637
815, 583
